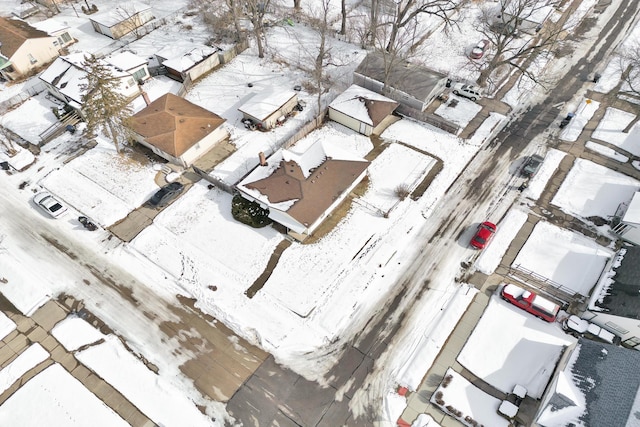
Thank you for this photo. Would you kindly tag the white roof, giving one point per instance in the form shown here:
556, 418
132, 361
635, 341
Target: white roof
185, 60
633, 211
267, 102
545, 304
50, 26
67, 74
126, 61
351, 103
118, 14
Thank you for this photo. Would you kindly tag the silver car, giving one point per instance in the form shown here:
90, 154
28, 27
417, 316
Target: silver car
468, 91
49, 204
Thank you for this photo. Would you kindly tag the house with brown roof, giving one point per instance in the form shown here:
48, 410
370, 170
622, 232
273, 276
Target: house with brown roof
361, 110
177, 129
24, 49
301, 189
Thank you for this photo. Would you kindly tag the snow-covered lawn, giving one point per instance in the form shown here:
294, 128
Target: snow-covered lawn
538, 183
583, 114
606, 151
612, 124
6, 326
397, 166
564, 257
457, 393
55, 398
594, 190
508, 228
74, 332
510, 346
150, 393
28, 359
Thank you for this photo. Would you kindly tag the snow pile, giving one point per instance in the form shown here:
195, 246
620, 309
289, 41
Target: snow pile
508, 228
538, 183
606, 151
583, 114
6, 326
74, 332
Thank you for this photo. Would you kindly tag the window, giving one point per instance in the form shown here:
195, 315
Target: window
65, 37
140, 74
616, 328
32, 59
632, 342
130, 83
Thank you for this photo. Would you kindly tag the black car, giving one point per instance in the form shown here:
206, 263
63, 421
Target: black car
531, 166
166, 194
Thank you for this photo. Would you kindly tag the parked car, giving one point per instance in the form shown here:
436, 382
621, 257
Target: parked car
532, 303
478, 50
49, 204
483, 235
531, 166
166, 194
566, 120
467, 91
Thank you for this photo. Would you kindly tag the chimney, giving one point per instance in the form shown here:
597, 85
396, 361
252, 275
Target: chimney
145, 97
263, 160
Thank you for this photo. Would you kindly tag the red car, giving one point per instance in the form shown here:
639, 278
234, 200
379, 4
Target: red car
478, 50
485, 232
530, 302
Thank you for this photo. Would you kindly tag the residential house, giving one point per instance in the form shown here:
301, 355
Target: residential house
269, 107
628, 229
177, 130
595, 384
188, 63
301, 189
132, 64
411, 85
361, 110
66, 77
58, 29
121, 20
615, 303
528, 16
24, 49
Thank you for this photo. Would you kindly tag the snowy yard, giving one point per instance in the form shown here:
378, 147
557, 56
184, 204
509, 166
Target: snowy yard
594, 190
565, 257
510, 346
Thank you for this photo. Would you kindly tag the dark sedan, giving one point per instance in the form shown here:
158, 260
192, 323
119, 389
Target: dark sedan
166, 194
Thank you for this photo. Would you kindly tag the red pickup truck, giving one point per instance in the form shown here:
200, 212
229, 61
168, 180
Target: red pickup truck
531, 302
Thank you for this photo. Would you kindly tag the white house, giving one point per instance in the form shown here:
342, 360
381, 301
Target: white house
58, 29
301, 189
361, 109
24, 49
177, 130
121, 20
628, 229
269, 106
409, 84
132, 64
188, 63
66, 77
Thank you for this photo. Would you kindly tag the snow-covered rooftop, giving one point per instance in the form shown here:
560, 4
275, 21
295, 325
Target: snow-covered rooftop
265, 103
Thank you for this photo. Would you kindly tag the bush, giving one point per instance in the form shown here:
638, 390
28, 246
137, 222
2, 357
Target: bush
447, 380
402, 191
249, 213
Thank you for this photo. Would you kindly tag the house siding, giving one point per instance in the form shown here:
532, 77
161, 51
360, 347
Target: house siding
203, 146
631, 234
350, 122
203, 67
42, 50
270, 121
397, 95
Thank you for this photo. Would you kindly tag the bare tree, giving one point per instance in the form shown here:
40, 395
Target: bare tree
255, 11
343, 17
131, 20
6, 141
629, 63
407, 12
504, 29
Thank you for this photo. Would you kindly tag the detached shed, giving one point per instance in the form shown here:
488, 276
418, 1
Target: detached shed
121, 20
189, 63
177, 129
412, 85
267, 107
361, 109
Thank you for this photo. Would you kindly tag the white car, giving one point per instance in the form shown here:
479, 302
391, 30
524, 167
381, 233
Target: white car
49, 204
472, 92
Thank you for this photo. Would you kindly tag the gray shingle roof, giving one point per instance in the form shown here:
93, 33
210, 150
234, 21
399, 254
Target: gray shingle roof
624, 293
